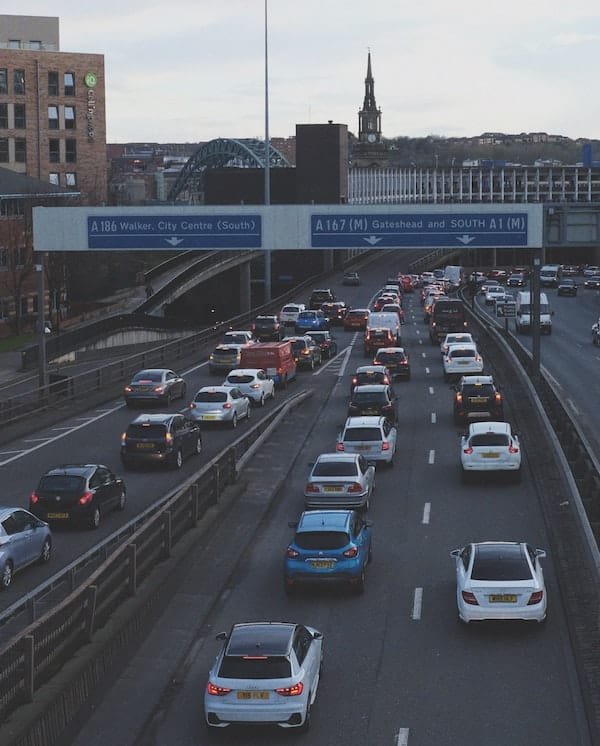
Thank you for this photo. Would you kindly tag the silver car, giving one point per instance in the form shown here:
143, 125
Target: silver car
340, 480
220, 404
159, 385
373, 437
24, 539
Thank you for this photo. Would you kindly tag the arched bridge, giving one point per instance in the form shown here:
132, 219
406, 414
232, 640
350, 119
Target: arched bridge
221, 153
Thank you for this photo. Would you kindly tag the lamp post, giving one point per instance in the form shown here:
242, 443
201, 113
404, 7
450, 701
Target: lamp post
267, 294
39, 270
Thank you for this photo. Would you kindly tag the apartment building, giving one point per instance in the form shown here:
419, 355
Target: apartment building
52, 108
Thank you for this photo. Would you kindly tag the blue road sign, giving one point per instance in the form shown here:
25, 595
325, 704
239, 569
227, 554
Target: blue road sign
162, 232
427, 230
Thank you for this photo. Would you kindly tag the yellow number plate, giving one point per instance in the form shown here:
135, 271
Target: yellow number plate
333, 488
324, 564
491, 454
253, 695
58, 515
503, 598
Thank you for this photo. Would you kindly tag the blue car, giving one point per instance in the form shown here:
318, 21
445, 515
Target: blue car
310, 321
329, 546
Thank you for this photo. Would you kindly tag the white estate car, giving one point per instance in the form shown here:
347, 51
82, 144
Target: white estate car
490, 447
266, 672
289, 313
253, 383
453, 338
500, 580
461, 359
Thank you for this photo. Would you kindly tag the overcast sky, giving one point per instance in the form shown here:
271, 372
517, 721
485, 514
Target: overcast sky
193, 70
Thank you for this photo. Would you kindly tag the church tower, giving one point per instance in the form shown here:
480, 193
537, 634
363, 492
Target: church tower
369, 117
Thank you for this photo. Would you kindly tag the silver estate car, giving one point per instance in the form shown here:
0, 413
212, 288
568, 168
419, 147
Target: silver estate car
220, 404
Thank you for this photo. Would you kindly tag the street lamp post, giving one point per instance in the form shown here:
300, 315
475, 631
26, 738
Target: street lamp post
267, 293
39, 269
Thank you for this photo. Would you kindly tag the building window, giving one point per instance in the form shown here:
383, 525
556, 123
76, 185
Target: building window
69, 117
20, 255
11, 207
14, 44
19, 116
20, 150
70, 150
54, 151
24, 306
54, 178
71, 179
3, 309
3, 116
3, 80
53, 83
35, 44
3, 258
19, 82
53, 117
69, 83
3, 149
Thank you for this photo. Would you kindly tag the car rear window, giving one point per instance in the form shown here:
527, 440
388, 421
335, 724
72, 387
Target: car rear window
321, 539
146, 431
238, 339
489, 439
307, 315
497, 564
255, 667
389, 357
370, 377
470, 389
462, 353
290, 309
239, 379
299, 345
357, 313
369, 397
335, 469
62, 483
356, 434
204, 397
148, 375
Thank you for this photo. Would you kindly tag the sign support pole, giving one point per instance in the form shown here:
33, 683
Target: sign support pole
267, 294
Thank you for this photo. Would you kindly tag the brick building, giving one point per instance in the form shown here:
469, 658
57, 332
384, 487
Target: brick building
52, 108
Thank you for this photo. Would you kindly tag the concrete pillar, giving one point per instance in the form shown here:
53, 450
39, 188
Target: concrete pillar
245, 287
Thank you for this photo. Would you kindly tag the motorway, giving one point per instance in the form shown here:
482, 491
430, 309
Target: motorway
400, 669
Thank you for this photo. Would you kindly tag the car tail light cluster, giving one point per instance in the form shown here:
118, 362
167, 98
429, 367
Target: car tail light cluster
535, 598
291, 691
255, 385
159, 389
352, 552
217, 691
168, 437
292, 553
498, 398
310, 487
86, 498
468, 450
339, 447
385, 446
355, 487
34, 498
469, 598
227, 405
513, 449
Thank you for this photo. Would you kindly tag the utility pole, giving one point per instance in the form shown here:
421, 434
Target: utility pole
43, 377
534, 297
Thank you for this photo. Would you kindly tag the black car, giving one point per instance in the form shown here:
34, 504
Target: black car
335, 311
77, 493
477, 398
567, 286
320, 296
326, 342
306, 351
516, 281
267, 328
373, 400
395, 359
351, 278
159, 439
159, 385
592, 282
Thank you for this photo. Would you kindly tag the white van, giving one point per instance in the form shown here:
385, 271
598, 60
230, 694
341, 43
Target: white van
523, 313
386, 320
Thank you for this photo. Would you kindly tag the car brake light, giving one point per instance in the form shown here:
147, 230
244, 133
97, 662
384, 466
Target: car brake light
458, 397
159, 389
535, 598
291, 691
192, 405
292, 553
355, 487
513, 449
86, 498
339, 447
354, 381
34, 498
469, 598
498, 397
468, 450
128, 389
123, 439
168, 437
352, 552
311, 487
385, 446
216, 691
227, 405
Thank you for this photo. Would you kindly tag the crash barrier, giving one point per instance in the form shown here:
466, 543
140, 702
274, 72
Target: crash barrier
33, 657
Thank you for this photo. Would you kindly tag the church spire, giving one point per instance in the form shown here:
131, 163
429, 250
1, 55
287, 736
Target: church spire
369, 117
369, 100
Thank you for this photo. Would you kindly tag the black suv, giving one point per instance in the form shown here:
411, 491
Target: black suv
477, 398
326, 342
306, 351
267, 328
77, 493
377, 399
319, 296
160, 438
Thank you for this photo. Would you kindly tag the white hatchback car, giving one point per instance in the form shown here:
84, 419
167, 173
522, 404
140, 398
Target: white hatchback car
461, 359
455, 338
289, 313
219, 404
253, 383
500, 580
490, 447
493, 293
373, 437
266, 672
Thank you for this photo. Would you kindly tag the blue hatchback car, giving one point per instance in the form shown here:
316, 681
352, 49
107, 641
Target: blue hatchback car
310, 321
329, 546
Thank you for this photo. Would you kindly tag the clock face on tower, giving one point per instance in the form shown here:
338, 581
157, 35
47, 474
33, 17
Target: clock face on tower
372, 137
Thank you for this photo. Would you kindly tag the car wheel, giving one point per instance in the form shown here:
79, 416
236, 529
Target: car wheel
234, 421
367, 504
168, 398
94, 520
306, 724
6, 576
312, 363
273, 392
262, 400
122, 500
359, 586
198, 448
183, 391
248, 413
177, 460
46, 552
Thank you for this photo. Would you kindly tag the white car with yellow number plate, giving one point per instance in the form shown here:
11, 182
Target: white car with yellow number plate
490, 447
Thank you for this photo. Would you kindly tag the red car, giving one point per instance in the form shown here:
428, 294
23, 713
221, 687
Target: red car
356, 318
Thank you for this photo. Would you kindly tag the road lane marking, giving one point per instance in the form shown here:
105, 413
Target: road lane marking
6, 453
402, 737
417, 604
433, 418
427, 371
573, 407
432, 456
420, 341
346, 351
426, 513
418, 331
423, 354
431, 389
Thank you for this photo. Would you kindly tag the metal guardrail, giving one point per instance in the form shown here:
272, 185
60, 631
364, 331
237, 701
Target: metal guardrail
34, 656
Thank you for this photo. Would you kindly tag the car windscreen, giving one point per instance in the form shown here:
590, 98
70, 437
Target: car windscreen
499, 565
358, 434
255, 667
489, 439
321, 539
237, 379
146, 431
265, 321
471, 389
62, 483
204, 397
335, 469
147, 375
369, 397
460, 352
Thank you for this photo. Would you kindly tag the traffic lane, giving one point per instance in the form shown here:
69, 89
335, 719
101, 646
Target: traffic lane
374, 647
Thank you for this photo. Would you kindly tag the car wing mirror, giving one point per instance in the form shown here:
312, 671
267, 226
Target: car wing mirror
455, 553
540, 553
221, 636
317, 635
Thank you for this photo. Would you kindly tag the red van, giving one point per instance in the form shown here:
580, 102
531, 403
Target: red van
275, 358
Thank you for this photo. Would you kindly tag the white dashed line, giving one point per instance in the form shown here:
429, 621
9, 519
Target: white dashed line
35, 440
432, 456
402, 737
7, 453
431, 389
433, 418
417, 604
420, 341
418, 331
573, 407
423, 354
427, 371
69, 427
426, 513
